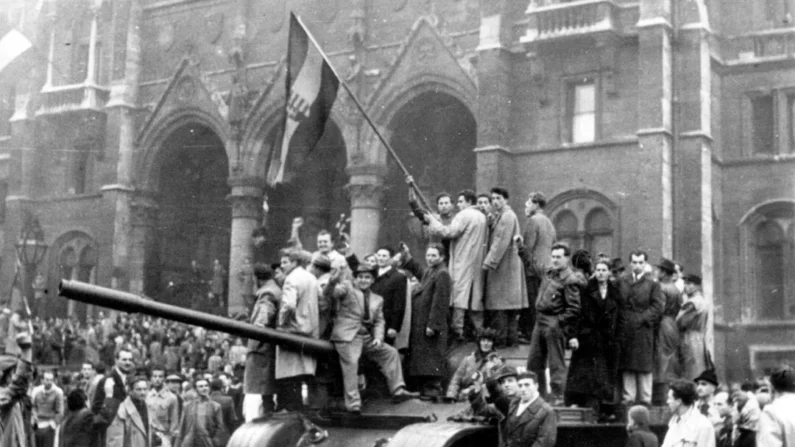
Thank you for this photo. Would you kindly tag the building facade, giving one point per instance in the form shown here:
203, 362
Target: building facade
139, 136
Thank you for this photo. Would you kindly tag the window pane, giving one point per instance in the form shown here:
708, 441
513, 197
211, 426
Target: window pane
583, 128
763, 125
770, 281
598, 220
602, 243
584, 98
566, 224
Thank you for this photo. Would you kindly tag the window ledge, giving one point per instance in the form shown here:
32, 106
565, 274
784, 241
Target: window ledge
760, 159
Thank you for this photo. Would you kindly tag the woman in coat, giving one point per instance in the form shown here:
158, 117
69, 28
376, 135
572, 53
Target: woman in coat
593, 369
428, 336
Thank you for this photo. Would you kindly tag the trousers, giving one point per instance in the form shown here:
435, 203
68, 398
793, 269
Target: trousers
507, 324
475, 317
548, 345
637, 387
384, 355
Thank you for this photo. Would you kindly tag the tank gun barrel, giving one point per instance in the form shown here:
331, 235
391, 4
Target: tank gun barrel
131, 303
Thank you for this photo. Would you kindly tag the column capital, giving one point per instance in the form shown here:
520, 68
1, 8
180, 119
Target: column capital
245, 206
366, 195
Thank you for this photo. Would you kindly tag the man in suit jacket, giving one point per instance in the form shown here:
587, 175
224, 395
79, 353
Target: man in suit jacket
228, 413
639, 317
391, 285
359, 330
529, 420
116, 380
535, 249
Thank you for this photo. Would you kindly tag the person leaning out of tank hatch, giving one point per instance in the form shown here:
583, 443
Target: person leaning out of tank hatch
480, 361
528, 420
358, 330
638, 432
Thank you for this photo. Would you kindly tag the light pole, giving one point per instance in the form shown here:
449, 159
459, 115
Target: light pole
31, 249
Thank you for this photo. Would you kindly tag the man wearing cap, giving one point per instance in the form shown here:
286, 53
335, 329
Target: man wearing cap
692, 324
174, 384
298, 314
358, 330
535, 248
706, 383
528, 420
667, 341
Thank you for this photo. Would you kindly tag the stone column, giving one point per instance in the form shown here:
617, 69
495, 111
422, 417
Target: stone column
140, 278
366, 190
246, 201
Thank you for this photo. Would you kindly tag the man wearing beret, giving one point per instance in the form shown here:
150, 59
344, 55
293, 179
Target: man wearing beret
706, 383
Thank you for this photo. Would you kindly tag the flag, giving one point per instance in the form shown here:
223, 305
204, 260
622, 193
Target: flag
12, 45
311, 90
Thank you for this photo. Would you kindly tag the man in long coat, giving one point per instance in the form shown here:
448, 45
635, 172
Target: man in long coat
639, 317
469, 235
132, 426
259, 382
429, 303
506, 291
298, 314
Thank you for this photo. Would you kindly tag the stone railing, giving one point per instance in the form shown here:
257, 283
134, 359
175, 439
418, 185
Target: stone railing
759, 46
558, 20
72, 98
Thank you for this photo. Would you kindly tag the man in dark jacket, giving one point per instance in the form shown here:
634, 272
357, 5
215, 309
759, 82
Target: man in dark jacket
557, 311
529, 420
391, 285
639, 317
118, 375
228, 413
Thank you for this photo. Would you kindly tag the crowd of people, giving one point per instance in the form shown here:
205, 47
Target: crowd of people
485, 279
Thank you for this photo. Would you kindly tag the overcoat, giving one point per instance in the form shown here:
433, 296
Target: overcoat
692, 324
537, 426
127, 428
667, 341
429, 304
202, 425
593, 368
505, 280
640, 313
259, 375
469, 234
392, 288
298, 314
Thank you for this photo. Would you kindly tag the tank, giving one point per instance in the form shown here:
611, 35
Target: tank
382, 423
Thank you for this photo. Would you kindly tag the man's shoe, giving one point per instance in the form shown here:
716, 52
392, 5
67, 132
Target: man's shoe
402, 395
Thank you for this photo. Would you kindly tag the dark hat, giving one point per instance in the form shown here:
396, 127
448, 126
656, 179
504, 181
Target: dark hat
275, 266
488, 333
538, 197
666, 265
506, 371
364, 268
692, 279
617, 264
708, 376
321, 261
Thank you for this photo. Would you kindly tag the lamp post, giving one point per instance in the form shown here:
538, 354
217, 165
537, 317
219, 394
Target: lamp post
31, 249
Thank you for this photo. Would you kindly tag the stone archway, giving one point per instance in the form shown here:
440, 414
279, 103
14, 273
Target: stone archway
73, 256
434, 134
192, 225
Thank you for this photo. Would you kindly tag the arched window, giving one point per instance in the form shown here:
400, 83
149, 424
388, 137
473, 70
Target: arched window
770, 261
74, 257
566, 227
599, 232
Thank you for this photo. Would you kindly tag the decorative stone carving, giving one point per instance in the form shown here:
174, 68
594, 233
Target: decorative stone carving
245, 206
186, 89
365, 195
214, 27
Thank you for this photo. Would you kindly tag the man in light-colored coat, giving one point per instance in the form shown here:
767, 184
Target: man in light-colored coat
506, 290
777, 423
469, 234
298, 314
131, 428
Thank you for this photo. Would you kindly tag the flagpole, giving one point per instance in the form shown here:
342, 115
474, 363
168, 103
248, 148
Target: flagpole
359, 106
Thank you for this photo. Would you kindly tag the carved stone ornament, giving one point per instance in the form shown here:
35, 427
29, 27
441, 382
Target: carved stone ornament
426, 50
186, 89
166, 36
365, 195
214, 27
245, 207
